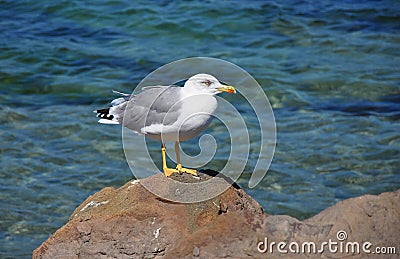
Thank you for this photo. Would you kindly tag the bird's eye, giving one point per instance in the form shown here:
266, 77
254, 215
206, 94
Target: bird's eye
207, 82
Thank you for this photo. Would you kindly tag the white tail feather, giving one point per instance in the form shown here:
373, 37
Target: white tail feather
105, 121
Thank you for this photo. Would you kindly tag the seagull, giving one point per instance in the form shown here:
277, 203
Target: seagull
168, 113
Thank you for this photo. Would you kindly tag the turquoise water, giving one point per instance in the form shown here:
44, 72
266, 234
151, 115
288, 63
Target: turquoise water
329, 68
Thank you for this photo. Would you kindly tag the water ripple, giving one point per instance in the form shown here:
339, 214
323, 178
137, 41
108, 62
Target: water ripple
329, 68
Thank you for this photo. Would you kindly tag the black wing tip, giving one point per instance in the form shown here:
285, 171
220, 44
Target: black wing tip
104, 110
104, 114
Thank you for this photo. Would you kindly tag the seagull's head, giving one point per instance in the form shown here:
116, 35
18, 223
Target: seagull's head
204, 83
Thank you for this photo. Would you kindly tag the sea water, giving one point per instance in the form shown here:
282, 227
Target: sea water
329, 68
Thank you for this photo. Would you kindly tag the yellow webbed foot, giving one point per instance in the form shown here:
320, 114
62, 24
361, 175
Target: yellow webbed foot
169, 171
186, 170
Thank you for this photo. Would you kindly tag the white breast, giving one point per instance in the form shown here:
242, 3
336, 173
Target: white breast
196, 115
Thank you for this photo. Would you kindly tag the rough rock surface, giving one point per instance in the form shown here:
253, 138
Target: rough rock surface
131, 222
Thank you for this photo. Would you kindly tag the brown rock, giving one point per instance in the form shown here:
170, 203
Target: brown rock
349, 225
131, 222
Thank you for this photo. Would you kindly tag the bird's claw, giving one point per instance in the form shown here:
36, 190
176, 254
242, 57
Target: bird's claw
169, 171
186, 170
179, 169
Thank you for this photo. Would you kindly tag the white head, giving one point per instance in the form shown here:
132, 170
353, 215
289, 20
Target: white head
204, 83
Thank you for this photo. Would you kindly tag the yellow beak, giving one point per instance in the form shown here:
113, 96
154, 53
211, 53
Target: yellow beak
227, 88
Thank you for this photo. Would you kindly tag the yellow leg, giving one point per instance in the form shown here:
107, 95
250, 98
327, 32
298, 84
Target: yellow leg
167, 171
179, 165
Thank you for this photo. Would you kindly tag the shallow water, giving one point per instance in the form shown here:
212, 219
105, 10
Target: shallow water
330, 70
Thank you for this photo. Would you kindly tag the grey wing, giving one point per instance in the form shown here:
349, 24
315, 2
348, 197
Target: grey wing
154, 105
118, 101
